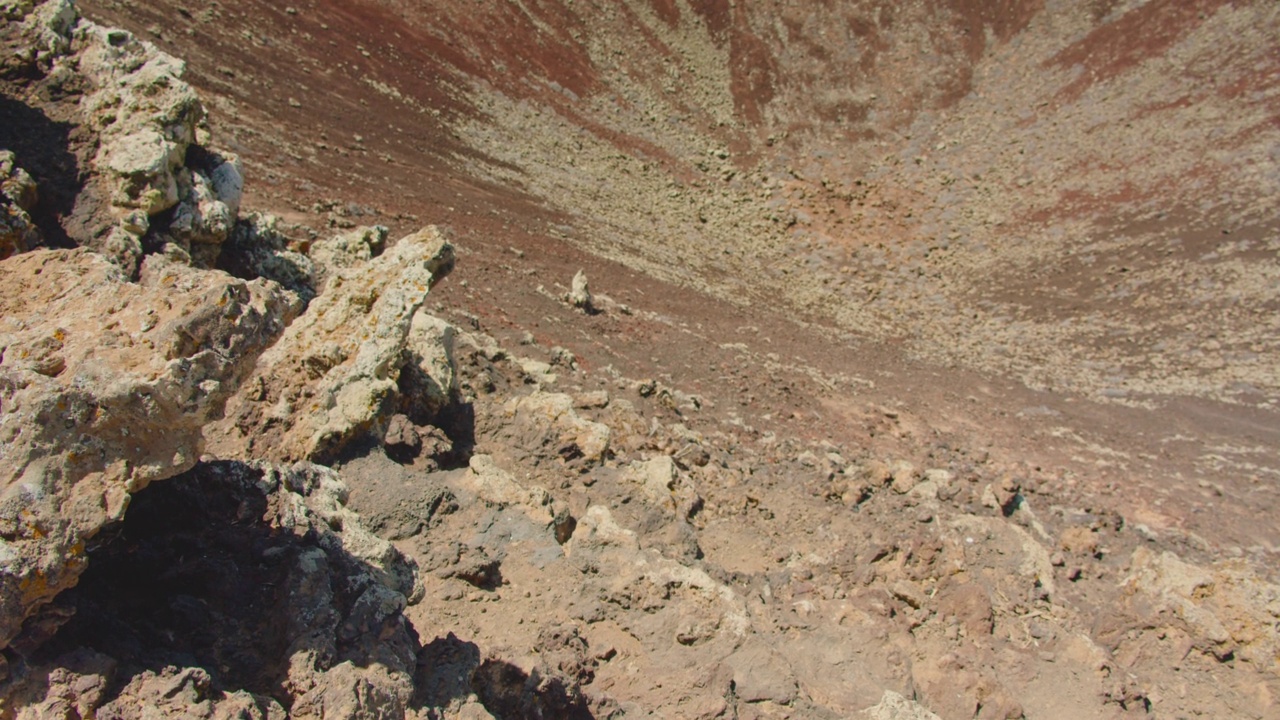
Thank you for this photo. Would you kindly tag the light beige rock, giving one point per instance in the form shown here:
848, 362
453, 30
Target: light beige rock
1226, 607
334, 374
52, 23
350, 248
496, 486
145, 114
657, 478
15, 183
580, 292
537, 371
555, 413
104, 388
905, 476
599, 539
144, 119
346, 692
1023, 562
201, 221
661, 484
430, 378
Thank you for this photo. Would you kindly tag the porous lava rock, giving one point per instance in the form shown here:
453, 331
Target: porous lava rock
335, 374
105, 386
233, 590
148, 181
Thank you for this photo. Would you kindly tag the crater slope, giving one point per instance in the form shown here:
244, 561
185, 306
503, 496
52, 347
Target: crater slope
929, 364
931, 199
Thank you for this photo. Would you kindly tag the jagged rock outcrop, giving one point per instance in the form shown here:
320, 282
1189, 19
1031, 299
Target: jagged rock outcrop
607, 535
113, 360
105, 385
161, 186
47, 24
336, 373
147, 120
267, 593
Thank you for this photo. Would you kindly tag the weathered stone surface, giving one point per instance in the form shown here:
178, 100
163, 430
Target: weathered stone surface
970, 605
289, 583
402, 437
905, 476
860, 583
145, 115
206, 212
49, 24
896, 707
429, 381
761, 674
257, 249
663, 486
657, 479
351, 248
104, 387
1226, 609
496, 486
18, 195
350, 693
334, 375
144, 120
551, 418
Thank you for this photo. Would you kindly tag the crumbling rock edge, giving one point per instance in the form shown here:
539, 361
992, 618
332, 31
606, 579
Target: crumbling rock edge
115, 356
884, 587
259, 575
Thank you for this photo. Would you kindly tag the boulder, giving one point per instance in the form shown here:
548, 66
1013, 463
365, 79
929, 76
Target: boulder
1226, 609
104, 387
549, 420
580, 293
145, 120
257, 562
335, 375
760, 673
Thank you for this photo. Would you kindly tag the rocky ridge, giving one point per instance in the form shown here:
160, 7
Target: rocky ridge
552, 540
116, 355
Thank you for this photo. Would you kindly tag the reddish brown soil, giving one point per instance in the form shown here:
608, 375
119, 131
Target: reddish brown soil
402, 169
292, 94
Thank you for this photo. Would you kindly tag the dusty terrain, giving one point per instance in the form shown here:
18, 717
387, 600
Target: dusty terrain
930, 364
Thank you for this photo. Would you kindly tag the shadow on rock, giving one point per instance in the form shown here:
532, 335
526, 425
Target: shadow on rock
236, 583
250, 590
41, 146
510, 693
452, 668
